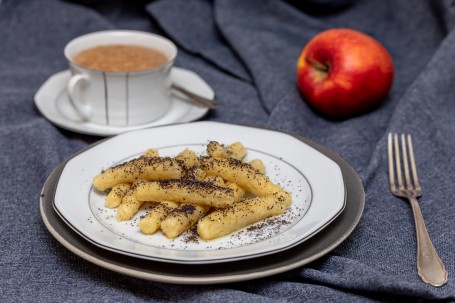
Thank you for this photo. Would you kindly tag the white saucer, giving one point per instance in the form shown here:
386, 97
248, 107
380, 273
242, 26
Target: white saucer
53, 103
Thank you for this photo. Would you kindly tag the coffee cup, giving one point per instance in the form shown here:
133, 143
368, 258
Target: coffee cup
115, 92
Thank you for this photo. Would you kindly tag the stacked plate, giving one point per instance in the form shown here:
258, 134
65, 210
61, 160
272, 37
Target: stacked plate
327, 203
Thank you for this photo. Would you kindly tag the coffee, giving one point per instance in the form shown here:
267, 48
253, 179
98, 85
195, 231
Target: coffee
120, 58
120, 77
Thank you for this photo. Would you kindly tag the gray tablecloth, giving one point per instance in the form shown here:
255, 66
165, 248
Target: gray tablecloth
247, 51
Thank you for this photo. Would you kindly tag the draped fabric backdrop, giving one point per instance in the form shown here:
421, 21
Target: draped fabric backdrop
247, 51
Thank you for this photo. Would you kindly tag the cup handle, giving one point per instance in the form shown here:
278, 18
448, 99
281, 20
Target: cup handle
83, 110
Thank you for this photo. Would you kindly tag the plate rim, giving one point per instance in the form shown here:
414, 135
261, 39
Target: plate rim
298, 255
113, 131
233, 254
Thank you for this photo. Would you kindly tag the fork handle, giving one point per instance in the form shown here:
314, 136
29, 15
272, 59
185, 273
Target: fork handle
429, 265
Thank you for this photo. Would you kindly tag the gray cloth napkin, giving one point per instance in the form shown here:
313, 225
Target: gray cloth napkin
247, 51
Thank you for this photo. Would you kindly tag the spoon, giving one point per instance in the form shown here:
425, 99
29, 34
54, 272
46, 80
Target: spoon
195, 98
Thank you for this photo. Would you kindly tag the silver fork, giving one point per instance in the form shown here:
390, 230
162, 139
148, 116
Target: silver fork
429, 265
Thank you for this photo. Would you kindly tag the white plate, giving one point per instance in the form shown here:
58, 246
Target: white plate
308, 251
53, 103
315, 181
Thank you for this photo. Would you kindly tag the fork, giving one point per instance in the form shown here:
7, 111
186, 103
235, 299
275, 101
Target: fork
429, 265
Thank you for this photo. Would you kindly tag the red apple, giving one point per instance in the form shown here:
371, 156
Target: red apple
343, 72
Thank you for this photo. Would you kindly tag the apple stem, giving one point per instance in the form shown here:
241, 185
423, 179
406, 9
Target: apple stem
318, 65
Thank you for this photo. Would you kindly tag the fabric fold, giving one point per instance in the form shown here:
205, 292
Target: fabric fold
191, 24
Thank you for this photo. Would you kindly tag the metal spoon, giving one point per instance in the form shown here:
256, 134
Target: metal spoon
195, 98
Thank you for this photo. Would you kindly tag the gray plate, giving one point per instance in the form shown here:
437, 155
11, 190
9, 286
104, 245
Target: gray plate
310, 250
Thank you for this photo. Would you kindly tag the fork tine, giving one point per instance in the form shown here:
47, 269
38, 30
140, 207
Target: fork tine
405, 162
390, 156
398, 162
413, 165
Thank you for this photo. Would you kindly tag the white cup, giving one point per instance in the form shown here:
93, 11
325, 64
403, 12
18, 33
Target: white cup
120, 98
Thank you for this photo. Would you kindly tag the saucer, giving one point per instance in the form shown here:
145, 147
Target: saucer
53, 103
